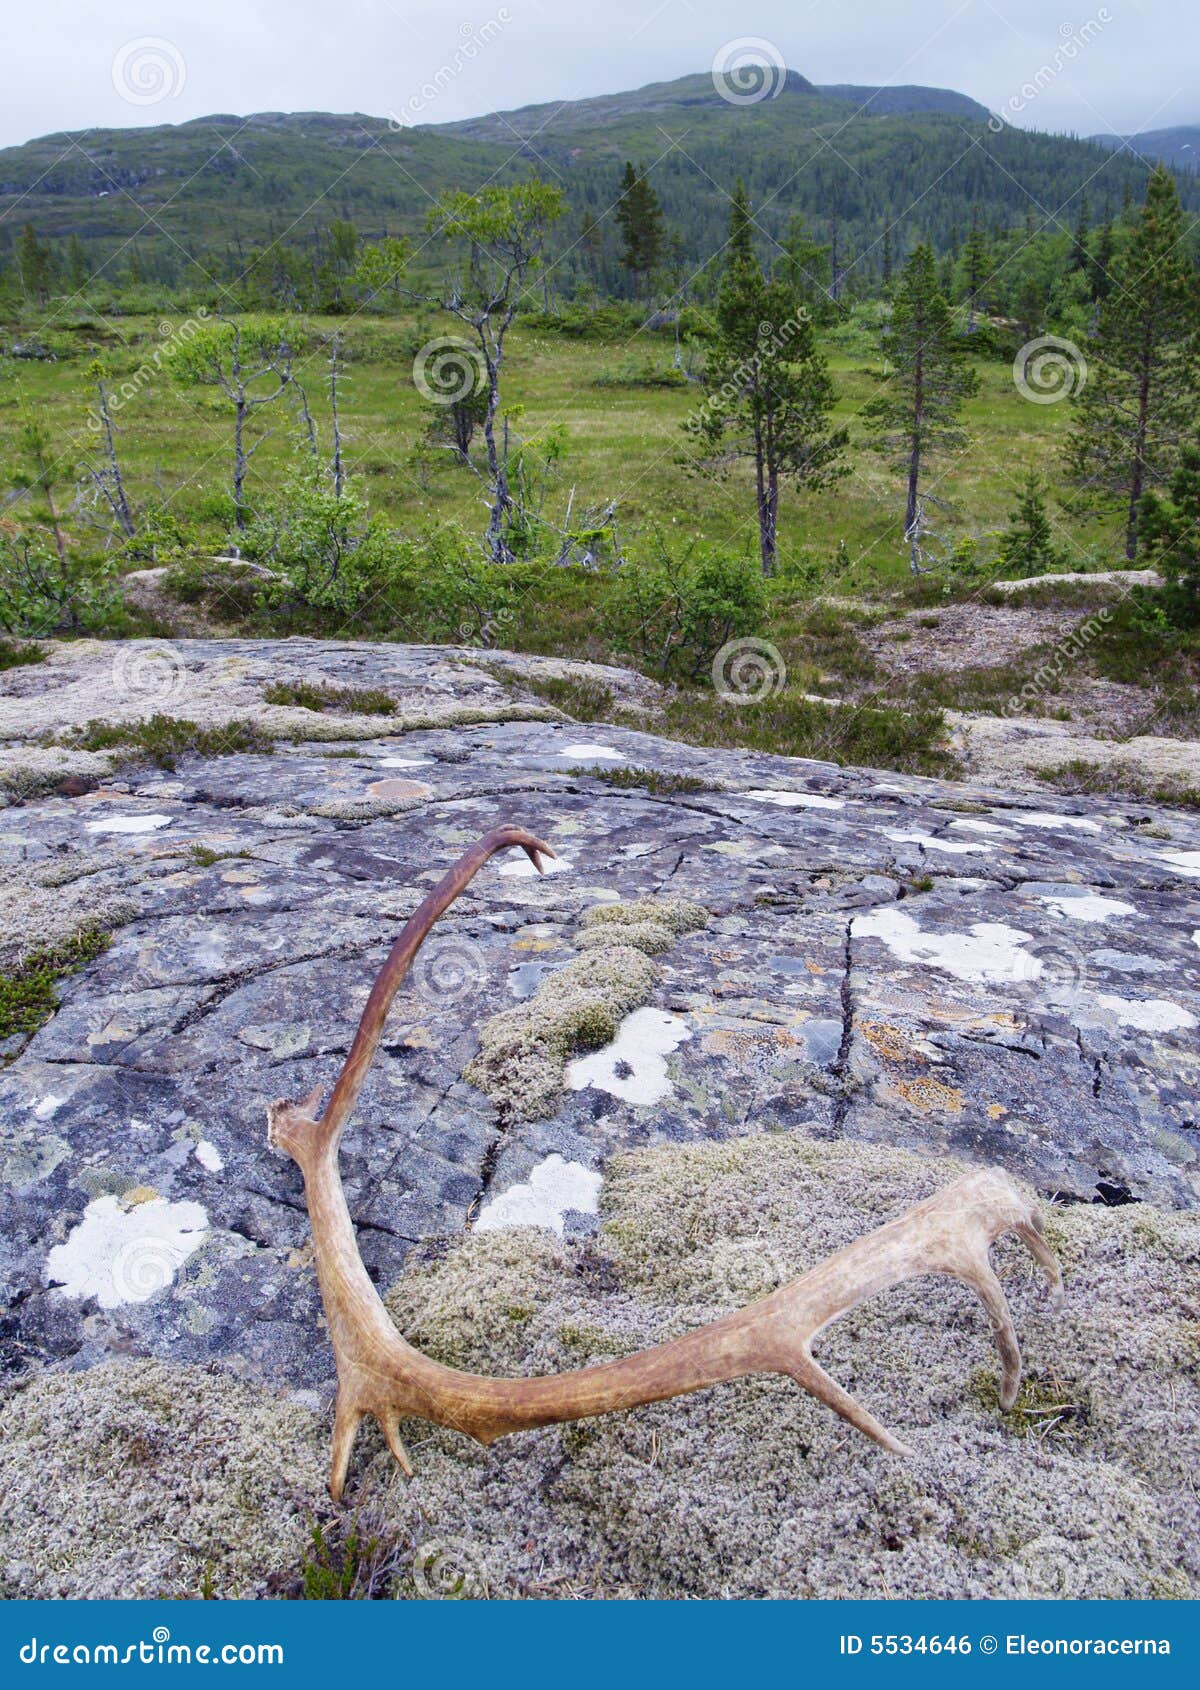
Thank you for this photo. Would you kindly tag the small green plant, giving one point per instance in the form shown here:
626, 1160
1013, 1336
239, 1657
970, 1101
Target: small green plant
27, 992
347, 1563
578, 696
321, 695
13, 656
646, 780
162, 740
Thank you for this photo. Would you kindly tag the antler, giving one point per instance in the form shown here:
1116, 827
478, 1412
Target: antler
380, 1374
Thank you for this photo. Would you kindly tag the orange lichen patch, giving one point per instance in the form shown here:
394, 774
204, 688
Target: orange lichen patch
890, 1042
930, 1097
995, 1110
399, 789
137, 1195
538, 944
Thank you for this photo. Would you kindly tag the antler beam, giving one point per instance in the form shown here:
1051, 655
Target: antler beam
382, 1375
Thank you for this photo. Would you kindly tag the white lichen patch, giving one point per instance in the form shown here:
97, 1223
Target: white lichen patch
789, 800
974, 824
520, 868
1187, 862
1148, 1015
149, 823
208, 1156
125, 1254
930, 842
586, 752
634, 1066
1045, 818
47, 1106
404, 762
1086, 906
989, 951
544, 1199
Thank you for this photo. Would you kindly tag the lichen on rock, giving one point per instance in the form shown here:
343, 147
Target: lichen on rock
523, 1052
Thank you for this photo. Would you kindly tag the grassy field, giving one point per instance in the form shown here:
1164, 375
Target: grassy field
626, 441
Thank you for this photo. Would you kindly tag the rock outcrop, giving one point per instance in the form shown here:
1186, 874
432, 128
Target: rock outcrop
891, 972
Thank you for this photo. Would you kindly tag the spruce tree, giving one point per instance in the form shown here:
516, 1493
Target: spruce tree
640, 220
1170, 529
918, 413
769, 391
976, 263
35, 264
1143, 365
1026, 547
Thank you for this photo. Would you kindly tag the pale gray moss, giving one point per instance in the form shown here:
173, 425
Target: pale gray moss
755, 1489
44, 905
146, 1479
523, 1051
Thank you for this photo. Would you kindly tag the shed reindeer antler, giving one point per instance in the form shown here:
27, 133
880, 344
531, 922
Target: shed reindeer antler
380, 1374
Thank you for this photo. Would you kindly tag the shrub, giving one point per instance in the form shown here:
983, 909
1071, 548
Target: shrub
323, 550
43, 594
674, 613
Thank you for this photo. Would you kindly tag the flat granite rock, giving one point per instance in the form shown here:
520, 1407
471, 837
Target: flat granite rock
887, 960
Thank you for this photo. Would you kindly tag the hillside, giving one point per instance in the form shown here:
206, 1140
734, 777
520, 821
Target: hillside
862, 158
1179, 147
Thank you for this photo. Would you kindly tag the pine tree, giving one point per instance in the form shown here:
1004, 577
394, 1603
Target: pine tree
1026, 547
640, 220
1143, 363
918, 414
769, 391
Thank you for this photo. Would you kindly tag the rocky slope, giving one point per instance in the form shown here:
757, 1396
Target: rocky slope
886, 972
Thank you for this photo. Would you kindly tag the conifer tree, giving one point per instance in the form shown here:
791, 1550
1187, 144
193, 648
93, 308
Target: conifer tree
35, 264
1027, 547
769, 391
1143, 365
976, 263
640, 220
918, 413
1170, 528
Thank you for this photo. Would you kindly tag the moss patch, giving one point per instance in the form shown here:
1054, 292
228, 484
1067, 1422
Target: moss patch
524, 1051
754, 1489
144, 1479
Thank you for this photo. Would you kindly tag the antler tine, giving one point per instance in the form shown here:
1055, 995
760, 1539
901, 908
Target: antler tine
380, 1374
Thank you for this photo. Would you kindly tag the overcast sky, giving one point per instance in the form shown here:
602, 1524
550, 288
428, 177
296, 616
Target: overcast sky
1122, 65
